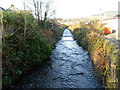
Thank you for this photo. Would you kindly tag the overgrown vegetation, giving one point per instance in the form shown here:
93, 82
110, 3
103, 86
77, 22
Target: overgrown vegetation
25, 44
103, 53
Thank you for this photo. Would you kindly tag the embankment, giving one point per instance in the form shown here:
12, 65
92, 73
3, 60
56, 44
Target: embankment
103, 53
25, 44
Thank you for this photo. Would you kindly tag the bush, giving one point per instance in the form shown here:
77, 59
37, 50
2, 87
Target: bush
102, 52
25, 46
20, 53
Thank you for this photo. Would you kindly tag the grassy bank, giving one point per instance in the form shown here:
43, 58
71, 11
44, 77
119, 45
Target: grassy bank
103, 53
25, 44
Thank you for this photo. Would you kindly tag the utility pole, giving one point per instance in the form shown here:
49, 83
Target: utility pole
1, 30
100, 17
24, 19
2, 27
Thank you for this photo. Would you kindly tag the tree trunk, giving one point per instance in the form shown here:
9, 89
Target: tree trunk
45, 19
24, 20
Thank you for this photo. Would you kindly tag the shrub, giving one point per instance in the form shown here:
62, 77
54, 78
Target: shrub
20, 53
102, 52
25, 46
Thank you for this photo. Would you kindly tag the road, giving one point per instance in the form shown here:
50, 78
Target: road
112, 38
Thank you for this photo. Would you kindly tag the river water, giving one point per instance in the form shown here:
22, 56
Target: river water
70, 67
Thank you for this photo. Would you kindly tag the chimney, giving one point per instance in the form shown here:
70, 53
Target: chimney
12, 6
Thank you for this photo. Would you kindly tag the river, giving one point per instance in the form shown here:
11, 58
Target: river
70, 67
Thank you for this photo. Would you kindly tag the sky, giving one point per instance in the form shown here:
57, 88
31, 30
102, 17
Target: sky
72, 8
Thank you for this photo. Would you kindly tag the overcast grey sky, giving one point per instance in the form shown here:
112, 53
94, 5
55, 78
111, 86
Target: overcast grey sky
72, 8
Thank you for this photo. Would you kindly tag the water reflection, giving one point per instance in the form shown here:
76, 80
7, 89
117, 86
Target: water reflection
67, 35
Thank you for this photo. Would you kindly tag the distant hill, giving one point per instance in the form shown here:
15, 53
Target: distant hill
107, 14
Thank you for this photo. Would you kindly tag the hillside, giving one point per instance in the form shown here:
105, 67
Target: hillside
106, 14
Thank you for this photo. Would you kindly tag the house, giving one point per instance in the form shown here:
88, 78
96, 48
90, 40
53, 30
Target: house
113, 25
9, 29
2, 9
12, 8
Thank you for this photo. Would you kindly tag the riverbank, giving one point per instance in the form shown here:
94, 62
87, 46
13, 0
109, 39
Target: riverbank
30, 68
103, 53
25, 44
34, 65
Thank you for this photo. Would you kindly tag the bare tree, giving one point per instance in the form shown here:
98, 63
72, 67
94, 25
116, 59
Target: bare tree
46, 13
37, 9
41, 6
42, 9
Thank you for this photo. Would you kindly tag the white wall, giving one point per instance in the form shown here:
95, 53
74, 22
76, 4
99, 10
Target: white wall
113, 23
